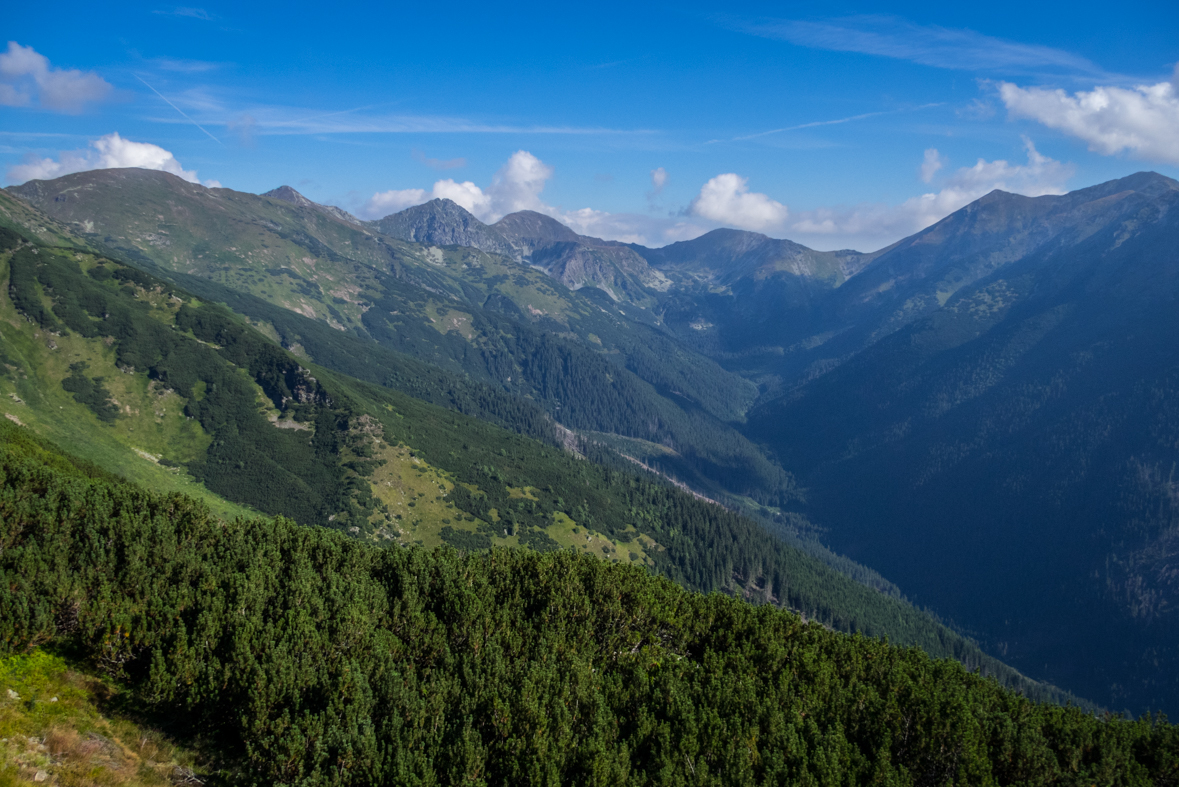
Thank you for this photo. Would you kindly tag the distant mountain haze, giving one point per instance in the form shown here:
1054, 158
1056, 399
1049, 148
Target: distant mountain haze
1004, 447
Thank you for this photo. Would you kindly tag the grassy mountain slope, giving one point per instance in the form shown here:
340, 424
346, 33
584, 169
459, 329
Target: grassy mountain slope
308, 658
1008, 459
488, 317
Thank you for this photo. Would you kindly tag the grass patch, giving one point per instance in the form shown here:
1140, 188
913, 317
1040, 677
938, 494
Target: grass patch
53, 730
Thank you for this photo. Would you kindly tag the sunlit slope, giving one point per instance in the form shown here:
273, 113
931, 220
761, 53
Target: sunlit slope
56, 727
499, 322
306, 259
138, 428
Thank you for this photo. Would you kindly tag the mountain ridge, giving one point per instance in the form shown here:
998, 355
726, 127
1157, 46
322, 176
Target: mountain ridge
288, 194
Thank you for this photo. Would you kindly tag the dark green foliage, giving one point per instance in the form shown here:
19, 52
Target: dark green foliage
538, 540
365, 360
91, 392
518, 372
310, 659
9, 239
583, 389
462, 539
24, 442
274, 470
702, 546
22, 287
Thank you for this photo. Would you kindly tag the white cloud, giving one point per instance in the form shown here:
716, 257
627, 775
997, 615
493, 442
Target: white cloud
727, 199
25, 72
466, 194
884, 224
385, 203
1143, 120
630, 227
108, 152
932, 163
516, 186
658, 179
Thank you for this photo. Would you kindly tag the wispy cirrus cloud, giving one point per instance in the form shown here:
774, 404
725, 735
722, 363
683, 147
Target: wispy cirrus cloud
835, 122
183, 66
277, 121
435, 163
930, 45
188, 11
179, 110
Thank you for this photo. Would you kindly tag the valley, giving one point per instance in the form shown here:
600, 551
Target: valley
854, 404
668, 396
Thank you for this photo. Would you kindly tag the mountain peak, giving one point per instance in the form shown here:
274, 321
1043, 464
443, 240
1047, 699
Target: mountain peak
442, 222
442, 209
288, 194
1149, 184
534, 230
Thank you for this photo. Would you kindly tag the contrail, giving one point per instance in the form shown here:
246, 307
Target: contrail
834, 122
178, 109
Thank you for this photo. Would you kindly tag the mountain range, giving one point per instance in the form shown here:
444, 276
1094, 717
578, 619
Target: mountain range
984, 411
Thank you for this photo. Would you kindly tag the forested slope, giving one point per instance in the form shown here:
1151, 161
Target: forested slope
308, 658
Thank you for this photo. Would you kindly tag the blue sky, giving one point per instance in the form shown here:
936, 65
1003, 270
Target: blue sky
845, 125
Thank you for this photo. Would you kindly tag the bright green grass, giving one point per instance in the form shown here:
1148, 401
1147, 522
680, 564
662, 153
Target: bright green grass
53, 725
